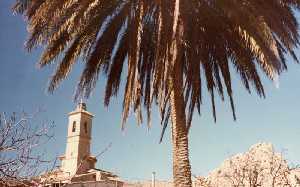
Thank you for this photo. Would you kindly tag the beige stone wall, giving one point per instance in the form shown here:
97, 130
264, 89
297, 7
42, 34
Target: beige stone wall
149, 184
97, 184
157, 184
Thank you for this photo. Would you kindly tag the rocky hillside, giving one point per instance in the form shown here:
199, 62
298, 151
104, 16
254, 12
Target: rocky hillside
260, 166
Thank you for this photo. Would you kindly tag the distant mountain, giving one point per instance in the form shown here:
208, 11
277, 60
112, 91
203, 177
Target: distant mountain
258, 167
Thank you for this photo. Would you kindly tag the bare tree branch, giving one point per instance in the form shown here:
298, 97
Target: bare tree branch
19, 143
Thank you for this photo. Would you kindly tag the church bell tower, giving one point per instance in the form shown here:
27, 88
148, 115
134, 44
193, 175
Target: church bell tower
77, 158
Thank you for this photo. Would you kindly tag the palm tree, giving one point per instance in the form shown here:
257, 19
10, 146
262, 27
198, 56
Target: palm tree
169, 50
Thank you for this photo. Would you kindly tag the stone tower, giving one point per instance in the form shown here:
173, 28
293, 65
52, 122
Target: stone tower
77, 159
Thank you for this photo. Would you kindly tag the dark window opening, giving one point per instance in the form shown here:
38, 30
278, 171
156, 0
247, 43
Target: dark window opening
74, 126
85, 128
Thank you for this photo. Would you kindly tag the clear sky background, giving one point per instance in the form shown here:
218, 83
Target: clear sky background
136, 152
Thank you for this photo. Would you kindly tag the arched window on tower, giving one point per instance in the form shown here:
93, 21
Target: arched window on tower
85, 127
74, 126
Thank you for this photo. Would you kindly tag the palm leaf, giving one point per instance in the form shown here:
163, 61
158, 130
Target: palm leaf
136, 35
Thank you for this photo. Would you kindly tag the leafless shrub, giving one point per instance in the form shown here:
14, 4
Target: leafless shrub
20, 143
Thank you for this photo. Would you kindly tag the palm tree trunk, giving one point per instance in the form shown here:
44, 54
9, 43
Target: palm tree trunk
181, 163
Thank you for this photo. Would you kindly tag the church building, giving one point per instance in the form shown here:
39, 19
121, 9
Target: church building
77, 164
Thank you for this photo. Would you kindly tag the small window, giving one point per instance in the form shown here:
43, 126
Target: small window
85, 128
74, 126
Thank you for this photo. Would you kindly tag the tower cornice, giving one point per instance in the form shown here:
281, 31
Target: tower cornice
82, 112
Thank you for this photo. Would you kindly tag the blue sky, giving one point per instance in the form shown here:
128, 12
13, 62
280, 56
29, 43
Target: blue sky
135, 152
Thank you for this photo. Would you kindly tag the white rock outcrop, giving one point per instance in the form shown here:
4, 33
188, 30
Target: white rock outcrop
258, 167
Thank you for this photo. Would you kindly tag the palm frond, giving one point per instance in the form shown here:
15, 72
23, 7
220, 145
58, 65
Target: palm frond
111, 35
